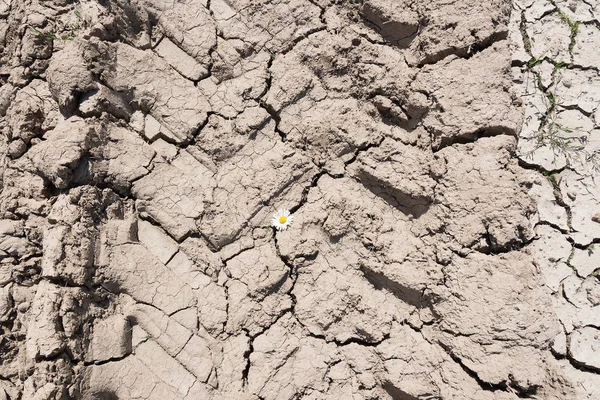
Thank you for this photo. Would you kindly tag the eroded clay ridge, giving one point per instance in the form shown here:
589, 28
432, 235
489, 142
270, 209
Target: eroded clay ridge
146, 144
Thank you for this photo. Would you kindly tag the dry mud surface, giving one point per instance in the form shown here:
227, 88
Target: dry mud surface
440, 249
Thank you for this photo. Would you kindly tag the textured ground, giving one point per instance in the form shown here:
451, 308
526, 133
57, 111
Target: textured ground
557, 62
440, 249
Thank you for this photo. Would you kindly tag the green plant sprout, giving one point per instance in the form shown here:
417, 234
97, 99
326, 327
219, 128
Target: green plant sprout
573, 25
554, 135
535, 60
50, 36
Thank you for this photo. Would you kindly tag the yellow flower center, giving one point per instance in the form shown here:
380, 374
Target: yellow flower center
282, 219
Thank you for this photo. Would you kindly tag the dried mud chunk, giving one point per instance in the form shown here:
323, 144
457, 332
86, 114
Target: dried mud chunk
6, 303
151, 84
118, 158
231, 370
551, 251
586, 40
547, 207
128, 157
234, 57
582, 293
284, 351
23, 193
68, 253
289, 85
104, 100
583, 198
155, 240
7, 391
5, 275
70, 239
585, 262
403, 171
453, 27
584, 347
222, 138
69, 76
45, 338
154, 130
578, 88
197, 250
333, 298
7, 91
196, 356
331, 129
257, 289
469, 97
170, 334
482, 201
133, 270
129, 378
264, 170
51, 379
415, 368
165, 367
165, 151
185, 64
496, 303
551, 38
174, 194
212, 299
355, 372
188, 24
233, 96
235, 26
195, 353
57, 156
283, 21
328, 65
13, 240
34, 47
111, 339
221, 10
339, 304
32, 111
343, 209
395, 22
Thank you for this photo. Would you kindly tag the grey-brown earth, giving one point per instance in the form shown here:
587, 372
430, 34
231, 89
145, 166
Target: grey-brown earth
439, 249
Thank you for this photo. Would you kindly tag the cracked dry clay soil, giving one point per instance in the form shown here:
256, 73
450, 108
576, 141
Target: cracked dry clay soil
146, 144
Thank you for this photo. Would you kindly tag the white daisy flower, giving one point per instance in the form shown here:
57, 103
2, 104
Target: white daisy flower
282, 220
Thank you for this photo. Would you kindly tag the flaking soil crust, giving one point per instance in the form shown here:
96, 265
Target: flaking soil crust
146, 145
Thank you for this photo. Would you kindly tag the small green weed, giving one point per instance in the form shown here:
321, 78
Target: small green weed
535, 61
47, 36
560, 65
50, 36
573, 25
554, 135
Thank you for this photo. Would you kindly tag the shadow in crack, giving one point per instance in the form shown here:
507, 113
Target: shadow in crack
398, 29
396, 393
104, 395
408, 295
402, 201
